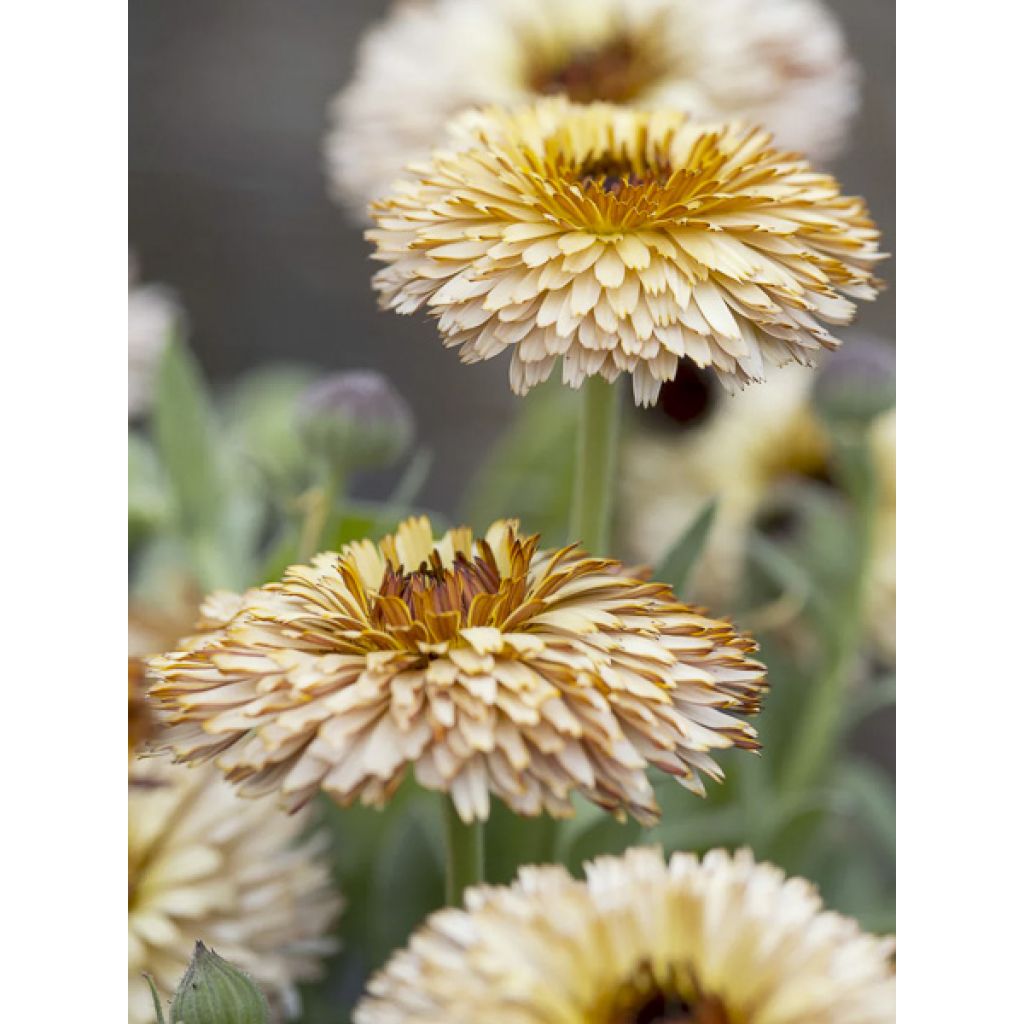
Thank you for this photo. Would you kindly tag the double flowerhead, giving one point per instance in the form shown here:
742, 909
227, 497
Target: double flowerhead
622, 241
488, 665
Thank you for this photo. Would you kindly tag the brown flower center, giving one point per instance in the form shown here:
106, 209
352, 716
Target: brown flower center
686, 401
434, 589
617, 72
663, 1009
616, 176
675, 999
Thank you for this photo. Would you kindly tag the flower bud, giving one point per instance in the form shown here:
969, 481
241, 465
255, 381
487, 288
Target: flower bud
857, 383
214, 992
355, 420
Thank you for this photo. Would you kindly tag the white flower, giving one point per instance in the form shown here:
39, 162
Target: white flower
205, 864
723, 940
781, 63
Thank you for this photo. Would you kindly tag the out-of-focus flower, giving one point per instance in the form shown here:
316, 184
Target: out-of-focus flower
723, 940
202, 862
486, 664
737, 449
740, 449
152, 317
781, 63
622, 241
141, 724
212, 991
356, 419
150, 631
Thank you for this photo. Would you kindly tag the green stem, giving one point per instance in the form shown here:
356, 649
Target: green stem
465, 852
821, 722
590, 523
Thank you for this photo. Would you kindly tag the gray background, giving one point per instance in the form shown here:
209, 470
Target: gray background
227, 203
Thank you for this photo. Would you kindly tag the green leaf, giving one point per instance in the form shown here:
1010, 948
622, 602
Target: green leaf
148, 500
408, 880
779, 566
185, 436
261, 423
529, 474
677, 565
702, 829
868, 793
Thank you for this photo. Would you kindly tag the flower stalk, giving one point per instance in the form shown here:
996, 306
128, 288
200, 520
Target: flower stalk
464, 846
590, 520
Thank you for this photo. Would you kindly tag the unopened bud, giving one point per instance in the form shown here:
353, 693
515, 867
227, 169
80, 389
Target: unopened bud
857, 383
214, 992
356, 420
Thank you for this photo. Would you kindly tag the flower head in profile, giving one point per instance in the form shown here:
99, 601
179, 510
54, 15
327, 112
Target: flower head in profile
781, 63
723, 940
486, 664
622, 241
203, 863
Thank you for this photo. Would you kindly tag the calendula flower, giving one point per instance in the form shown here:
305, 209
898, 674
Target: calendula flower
486, 664
204, 864
152, 317
151, 630
735, 449
723, 940
781, 63
621, 241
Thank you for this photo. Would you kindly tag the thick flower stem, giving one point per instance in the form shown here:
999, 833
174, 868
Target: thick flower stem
590, 522
465, 854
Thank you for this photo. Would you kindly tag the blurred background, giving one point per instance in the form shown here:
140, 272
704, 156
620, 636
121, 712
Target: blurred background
228, 205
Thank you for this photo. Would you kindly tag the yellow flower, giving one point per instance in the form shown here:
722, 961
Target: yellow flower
203, 864
488, 665
719, 941
622, 241
781, 63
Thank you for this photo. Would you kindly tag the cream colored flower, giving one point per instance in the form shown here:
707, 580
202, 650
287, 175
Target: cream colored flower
486, 664
723, 940
203, 864
622, 241
739, 452
152, 315
781, 63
